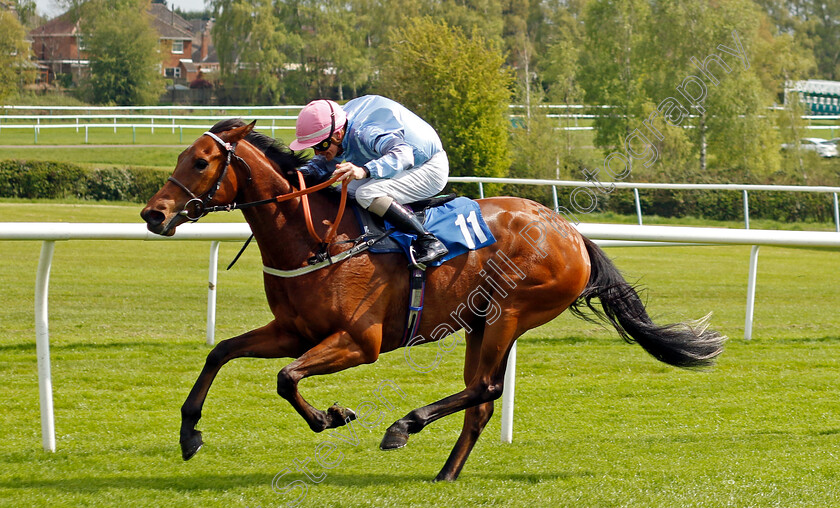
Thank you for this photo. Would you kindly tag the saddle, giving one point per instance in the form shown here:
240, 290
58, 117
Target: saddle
374, 226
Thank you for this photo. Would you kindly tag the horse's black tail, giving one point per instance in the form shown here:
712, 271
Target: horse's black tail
688, 344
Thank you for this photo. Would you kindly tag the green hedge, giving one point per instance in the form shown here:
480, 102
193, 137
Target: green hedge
704, 204
724, 205
57, 180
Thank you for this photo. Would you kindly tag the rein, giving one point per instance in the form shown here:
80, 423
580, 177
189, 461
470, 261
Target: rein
203, 209
305, 198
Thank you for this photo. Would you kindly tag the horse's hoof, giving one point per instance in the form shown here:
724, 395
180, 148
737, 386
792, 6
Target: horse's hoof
441, 477
191, 445
339, 416
393, 439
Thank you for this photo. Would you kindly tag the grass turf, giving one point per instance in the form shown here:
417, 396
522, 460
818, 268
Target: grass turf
597, 423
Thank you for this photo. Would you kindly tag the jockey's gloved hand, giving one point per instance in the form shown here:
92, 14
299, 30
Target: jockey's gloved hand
313, 175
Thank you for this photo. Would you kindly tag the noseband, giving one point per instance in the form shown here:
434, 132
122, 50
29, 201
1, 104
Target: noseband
199, 203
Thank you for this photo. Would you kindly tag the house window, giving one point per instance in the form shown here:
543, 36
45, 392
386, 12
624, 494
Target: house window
80, 42
178, 47
173, 72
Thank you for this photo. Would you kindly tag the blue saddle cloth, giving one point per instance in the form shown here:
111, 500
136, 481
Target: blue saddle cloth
457, 223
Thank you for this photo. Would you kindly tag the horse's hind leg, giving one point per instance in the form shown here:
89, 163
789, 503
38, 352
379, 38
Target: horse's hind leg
265, 342
484, 387
335, 353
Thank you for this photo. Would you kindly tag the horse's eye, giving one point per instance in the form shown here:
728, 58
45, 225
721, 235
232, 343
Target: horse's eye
201, 164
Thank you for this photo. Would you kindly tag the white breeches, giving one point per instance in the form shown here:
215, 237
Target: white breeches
413, 184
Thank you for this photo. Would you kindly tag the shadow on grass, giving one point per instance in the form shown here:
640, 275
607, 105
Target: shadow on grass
96, 346
570, 340
92, 484
350, 479
226, 482
810, 340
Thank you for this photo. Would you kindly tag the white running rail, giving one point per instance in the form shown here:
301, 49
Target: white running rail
606, 235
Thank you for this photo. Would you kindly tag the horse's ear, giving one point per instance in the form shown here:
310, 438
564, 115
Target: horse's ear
238, 133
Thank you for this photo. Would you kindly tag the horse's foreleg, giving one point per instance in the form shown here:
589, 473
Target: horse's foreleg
335, 353
484, 387
265, 342
475, 418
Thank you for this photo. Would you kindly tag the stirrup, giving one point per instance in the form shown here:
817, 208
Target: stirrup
413, 260
432, 249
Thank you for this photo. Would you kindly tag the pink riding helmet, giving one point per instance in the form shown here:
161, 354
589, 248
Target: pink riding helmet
317, 121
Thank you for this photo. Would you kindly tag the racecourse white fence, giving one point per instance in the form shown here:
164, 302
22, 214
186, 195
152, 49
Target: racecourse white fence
604, 234
135, 121
131, 122
164, 122
831, 192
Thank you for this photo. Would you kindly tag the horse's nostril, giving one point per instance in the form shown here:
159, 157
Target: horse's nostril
153, 217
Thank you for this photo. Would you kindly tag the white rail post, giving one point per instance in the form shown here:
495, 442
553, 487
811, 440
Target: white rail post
748, 322
42, 345
480, 190
836, 214
746, 211
638, 205
211, 293
554, 196
508, 395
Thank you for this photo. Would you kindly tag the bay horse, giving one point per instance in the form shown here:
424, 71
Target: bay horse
348, 313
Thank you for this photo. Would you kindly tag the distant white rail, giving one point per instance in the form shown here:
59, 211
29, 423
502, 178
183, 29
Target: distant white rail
743, 188
148, 108
604, 234
151, 126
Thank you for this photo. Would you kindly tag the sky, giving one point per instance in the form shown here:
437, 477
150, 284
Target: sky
50, 7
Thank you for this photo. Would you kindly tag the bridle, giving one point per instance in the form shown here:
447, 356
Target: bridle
201, 204
230, 148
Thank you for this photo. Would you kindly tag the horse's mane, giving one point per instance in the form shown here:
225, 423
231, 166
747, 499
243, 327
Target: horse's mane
287, 160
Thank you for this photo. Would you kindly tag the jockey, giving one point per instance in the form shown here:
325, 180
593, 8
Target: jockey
386, 154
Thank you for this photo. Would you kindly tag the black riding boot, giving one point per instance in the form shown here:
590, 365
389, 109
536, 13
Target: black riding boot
426, 247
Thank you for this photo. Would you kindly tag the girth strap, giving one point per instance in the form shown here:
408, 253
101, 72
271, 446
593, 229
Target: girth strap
417, 290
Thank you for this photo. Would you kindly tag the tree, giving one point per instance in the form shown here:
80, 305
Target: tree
458, 85
561, 65
538, 152
124, 55
26, 10
733, 125
521, 46
614, 63
253, 49
641, 54
14, 54
814, 24
332, 53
